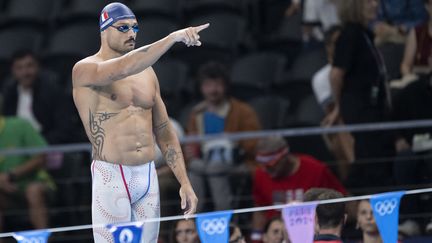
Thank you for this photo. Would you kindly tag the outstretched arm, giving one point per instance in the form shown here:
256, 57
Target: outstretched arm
169, 144
87, 73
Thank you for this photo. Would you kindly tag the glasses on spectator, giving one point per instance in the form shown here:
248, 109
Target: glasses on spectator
125, 28
237, 240
185, 231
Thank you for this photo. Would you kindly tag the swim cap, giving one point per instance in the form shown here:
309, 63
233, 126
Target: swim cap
112, 13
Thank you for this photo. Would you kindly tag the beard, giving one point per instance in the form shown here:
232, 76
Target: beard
123, 48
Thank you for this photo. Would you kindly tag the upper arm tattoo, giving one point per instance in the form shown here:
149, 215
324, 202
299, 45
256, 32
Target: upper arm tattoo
160, 127
97, 132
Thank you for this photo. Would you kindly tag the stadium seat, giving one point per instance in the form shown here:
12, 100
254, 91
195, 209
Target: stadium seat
31, 12
307, 64
168, 8
285, 38
81, 10
273, 14
309, 111
153, 29
220, 42
211, 6
253, 74
172, 75
78, 39
271, 111
290, 28
19, 38
227, 30
69, 44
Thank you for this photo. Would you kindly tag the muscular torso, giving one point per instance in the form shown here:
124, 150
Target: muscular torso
118, 118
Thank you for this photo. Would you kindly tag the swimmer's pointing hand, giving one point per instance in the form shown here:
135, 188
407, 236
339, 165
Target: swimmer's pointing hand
190, 35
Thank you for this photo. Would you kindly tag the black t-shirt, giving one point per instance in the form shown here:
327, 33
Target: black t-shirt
364, 82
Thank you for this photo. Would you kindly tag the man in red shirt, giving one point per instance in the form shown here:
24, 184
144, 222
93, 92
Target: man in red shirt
284, 177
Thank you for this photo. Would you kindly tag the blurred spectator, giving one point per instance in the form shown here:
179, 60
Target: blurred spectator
284, 177
418, 54
185, 232
318, 17
35, 96
213, 161
22, 177
360, 91
330, 218
275, 232
396, 17
413, 164
340, 144
366, 223
236, 235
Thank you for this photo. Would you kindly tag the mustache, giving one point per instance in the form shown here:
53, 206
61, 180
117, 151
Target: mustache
130, 40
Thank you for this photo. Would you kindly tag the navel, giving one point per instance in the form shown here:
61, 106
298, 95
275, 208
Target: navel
113, 96
138, 146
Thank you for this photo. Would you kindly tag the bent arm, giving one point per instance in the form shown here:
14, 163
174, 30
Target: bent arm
167, 140
336, 81
86, 73
31, 165
409, 55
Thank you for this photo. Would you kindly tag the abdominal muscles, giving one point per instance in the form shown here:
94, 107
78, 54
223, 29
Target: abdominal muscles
125, 138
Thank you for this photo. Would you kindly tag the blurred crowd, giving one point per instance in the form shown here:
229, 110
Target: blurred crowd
268, 65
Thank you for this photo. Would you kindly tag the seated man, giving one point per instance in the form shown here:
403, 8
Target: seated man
23, 176
35, 96
213, 160
284, 177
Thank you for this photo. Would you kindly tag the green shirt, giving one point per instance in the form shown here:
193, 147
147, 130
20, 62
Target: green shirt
18, 133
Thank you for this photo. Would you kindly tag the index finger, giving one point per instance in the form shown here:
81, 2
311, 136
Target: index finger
201, 27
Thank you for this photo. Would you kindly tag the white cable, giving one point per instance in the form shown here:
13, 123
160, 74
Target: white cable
236, 211
290, 132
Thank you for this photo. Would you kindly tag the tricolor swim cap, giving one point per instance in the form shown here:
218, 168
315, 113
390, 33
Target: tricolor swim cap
112, 13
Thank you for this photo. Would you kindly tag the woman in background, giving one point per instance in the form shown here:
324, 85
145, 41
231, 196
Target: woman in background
275, 232
366, 223
185, 232
360, 91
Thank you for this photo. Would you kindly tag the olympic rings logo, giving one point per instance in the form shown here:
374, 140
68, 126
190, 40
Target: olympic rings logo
214, 226
386, 207
126, 236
